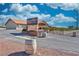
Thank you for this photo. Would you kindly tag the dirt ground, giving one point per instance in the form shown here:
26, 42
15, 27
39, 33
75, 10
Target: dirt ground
8, 47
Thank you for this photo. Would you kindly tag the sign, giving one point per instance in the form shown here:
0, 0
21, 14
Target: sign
32, 21
30, 46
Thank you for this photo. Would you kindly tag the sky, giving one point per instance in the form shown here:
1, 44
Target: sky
55, 14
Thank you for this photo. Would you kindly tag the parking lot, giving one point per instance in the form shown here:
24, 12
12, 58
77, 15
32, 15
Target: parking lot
60, 42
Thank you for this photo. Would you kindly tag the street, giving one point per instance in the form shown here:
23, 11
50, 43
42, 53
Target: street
60, 42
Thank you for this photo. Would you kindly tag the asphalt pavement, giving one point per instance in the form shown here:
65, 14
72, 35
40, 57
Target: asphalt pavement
60, 42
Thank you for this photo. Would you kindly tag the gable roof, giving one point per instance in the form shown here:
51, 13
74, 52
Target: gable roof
17, 21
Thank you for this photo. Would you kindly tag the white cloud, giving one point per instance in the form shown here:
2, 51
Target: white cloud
45, 17
25, 8
24, 11
41, 3
4, 18
60, 18
69, 6
29, 7
61, 26
54, 5
3, 3
21, 17
16, 7
64, 6
5, 10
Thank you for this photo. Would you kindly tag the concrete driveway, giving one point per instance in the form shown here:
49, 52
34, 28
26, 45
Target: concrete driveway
64, 43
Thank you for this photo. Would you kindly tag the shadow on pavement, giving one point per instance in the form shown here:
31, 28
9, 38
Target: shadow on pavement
19, 34
22, 53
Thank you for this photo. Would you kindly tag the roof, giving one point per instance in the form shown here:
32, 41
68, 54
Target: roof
17, 21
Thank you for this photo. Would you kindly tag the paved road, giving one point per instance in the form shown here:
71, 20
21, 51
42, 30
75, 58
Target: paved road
51, 41
60, 42
10, 35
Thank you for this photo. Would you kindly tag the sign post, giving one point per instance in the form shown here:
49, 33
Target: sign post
30, 44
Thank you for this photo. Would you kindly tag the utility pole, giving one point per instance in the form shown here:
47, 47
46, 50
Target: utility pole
77, 17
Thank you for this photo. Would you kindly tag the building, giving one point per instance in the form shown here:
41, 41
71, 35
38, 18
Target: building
15, 24
35, 25
32, 25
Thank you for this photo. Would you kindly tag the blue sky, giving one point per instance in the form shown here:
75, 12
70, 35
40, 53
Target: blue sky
55, 14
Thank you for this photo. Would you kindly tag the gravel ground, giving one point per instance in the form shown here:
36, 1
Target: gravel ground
12, 48
53, 52
7, 47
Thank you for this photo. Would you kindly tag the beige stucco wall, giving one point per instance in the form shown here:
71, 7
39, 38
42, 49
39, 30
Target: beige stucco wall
10, 25
32, 27
20, 27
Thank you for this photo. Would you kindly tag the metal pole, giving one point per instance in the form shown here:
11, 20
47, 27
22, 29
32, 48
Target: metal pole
77, 20
78, 17
76, 10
